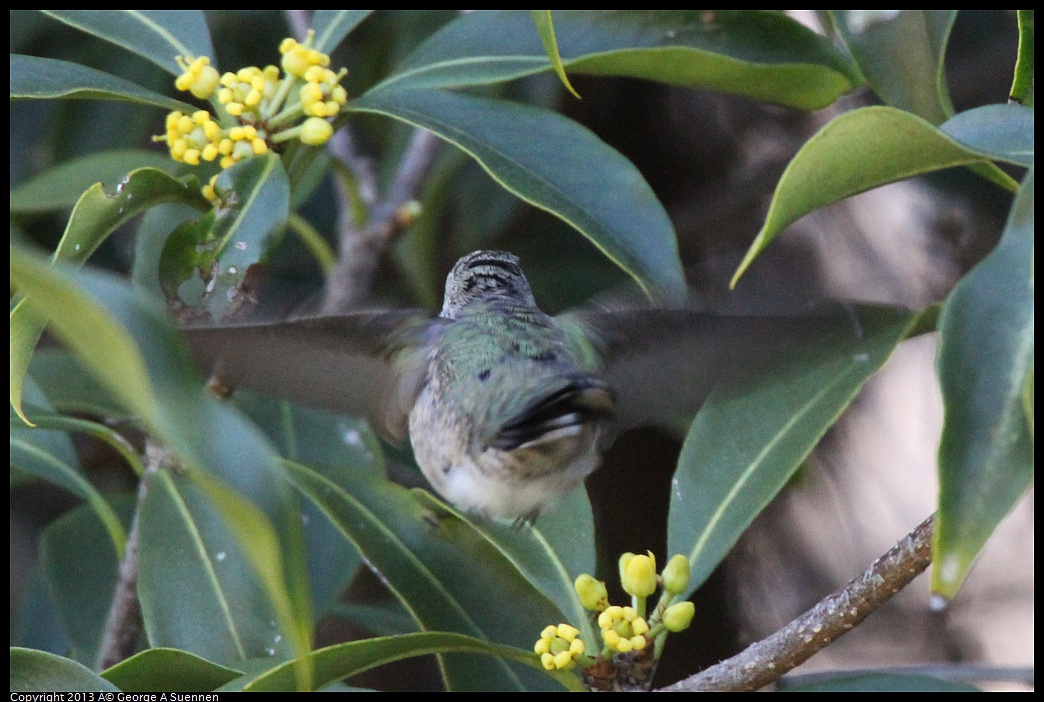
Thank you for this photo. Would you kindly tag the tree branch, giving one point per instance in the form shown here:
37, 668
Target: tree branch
361, 247
767, 660
123, 624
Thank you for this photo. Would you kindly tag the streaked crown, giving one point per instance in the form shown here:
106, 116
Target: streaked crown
484, 276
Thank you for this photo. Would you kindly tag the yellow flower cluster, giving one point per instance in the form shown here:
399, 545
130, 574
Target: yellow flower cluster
559, 646
199, 77
322, 96
622, 629
190, 138
243, 91
298, 58
256, 113
196, 137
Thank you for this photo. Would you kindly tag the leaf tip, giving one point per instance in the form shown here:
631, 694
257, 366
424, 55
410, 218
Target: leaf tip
16, 405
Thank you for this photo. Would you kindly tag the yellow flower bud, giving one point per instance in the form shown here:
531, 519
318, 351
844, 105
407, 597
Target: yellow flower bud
567, 632
638, 575
592, 592
547, 660
199, 77
678, 616
185, 124
606, 618
315, 131
676, 574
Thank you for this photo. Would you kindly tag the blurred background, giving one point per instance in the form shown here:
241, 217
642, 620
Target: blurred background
713, 161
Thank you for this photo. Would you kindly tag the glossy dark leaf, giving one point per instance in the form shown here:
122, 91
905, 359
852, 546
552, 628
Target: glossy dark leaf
33, 671
749, 438
985, 358
38, 78
763, 55
855, 152
168, 670
158, 35
596, 190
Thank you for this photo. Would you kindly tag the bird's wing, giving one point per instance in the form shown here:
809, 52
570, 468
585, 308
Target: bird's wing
364, 363
663, 364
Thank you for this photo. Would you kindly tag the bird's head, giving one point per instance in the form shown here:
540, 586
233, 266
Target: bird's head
485, 276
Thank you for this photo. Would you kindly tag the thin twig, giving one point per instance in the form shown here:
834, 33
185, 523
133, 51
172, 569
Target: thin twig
123, 624
362, 247
767, 660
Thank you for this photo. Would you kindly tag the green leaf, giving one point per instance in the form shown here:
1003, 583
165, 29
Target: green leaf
35, 460
344, 660
80, 566
34, 616
96, 215
158, 35
985, 358
545, 26
84, 326
102, 432
750, 437
447, 574
332, 26
1022, 87
1003, 132
33, 671
568, 528
155, 228
72, 388
595, 189
535, 559
37, 78
763, 55
168, 670
311, 435
129, 343
389, 618
57, 443
901, 52
855, 152
64, 184
219, 252
215, 607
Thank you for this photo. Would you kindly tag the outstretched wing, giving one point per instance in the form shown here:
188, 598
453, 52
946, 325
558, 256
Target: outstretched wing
364, 363
662, 364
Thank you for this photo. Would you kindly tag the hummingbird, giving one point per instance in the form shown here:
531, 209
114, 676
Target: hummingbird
506, 407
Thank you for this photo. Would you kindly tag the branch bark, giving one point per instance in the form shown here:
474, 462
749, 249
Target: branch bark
123, 625
769, 659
